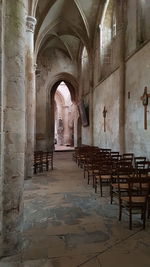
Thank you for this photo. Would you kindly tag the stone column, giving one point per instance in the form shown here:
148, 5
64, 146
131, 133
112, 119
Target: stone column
91, 99
66, 125
91, 116
30, 95
121, 41
14, 124
1, 117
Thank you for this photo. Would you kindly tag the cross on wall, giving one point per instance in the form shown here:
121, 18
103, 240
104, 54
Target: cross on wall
104, 116
144, 99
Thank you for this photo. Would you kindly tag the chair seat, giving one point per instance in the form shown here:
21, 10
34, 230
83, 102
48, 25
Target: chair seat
122, 185
95, 171
134, 199
103, 176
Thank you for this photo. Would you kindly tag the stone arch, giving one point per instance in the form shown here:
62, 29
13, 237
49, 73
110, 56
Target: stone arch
72, 85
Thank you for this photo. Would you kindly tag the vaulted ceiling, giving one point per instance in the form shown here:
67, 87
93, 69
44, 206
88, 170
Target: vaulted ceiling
67, 25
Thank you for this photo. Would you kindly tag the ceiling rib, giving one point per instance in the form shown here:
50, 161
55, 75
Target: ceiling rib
84, 19
50, 28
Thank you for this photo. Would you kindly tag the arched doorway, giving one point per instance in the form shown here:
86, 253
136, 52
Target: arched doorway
64, 116
72, 86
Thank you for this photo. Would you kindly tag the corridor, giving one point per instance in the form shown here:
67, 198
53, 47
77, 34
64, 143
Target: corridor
67, 225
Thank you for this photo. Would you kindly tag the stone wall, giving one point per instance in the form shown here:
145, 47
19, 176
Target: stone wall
107, 94
137, 77
86, 133
50, 67
14, 124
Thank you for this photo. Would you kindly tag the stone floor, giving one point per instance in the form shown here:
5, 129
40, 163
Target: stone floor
67, 225
63, 148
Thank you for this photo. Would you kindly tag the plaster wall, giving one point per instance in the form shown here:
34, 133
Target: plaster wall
107, 94
137, 77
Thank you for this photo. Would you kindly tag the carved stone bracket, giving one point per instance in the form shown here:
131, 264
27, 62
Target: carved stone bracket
30, 24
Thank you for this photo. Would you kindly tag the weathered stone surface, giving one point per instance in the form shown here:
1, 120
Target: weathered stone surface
67, 224
14, 124
50, 66
30, 94
137, 138
107, 94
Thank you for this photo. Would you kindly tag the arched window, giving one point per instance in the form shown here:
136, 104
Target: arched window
143, 22
85, 71
84, 58
107, 33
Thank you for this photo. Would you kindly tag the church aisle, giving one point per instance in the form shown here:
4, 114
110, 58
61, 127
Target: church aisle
67, 225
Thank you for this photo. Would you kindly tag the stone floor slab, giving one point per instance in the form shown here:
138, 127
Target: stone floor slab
67, 225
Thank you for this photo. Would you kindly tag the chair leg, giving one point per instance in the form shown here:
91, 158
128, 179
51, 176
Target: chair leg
111, 194
144, 217
95, 185
93, 181
148, 209
34, 169
120, 211
84, 173
47, 165
130, 219
100, 182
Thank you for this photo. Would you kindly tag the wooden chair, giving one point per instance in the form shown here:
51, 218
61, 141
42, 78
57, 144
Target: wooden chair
50, 159
37, 165
124, 170
135, 200
142, 168
42, 161
113, 153
128, 157
75, 153
138, 162
104, 175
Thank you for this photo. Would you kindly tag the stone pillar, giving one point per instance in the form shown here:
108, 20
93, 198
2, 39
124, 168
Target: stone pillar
91, 116
1, 117
66, 125
91, 99
14, 124
30, 95
121, 40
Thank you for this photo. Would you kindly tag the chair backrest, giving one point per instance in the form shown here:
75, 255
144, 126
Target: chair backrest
139, 162
113, 153
136, 187
128, 157
144, 170
106, 167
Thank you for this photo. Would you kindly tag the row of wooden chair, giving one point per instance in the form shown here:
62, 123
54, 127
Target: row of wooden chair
42, 161
127, 176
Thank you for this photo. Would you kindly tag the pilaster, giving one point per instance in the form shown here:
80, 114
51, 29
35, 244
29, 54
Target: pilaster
30, 94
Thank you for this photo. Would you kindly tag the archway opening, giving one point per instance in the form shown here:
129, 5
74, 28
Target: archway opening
65, 114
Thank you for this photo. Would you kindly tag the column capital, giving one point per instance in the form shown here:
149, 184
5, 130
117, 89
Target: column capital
30, 24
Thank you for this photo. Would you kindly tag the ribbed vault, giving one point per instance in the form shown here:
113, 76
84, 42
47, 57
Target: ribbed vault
65, 25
